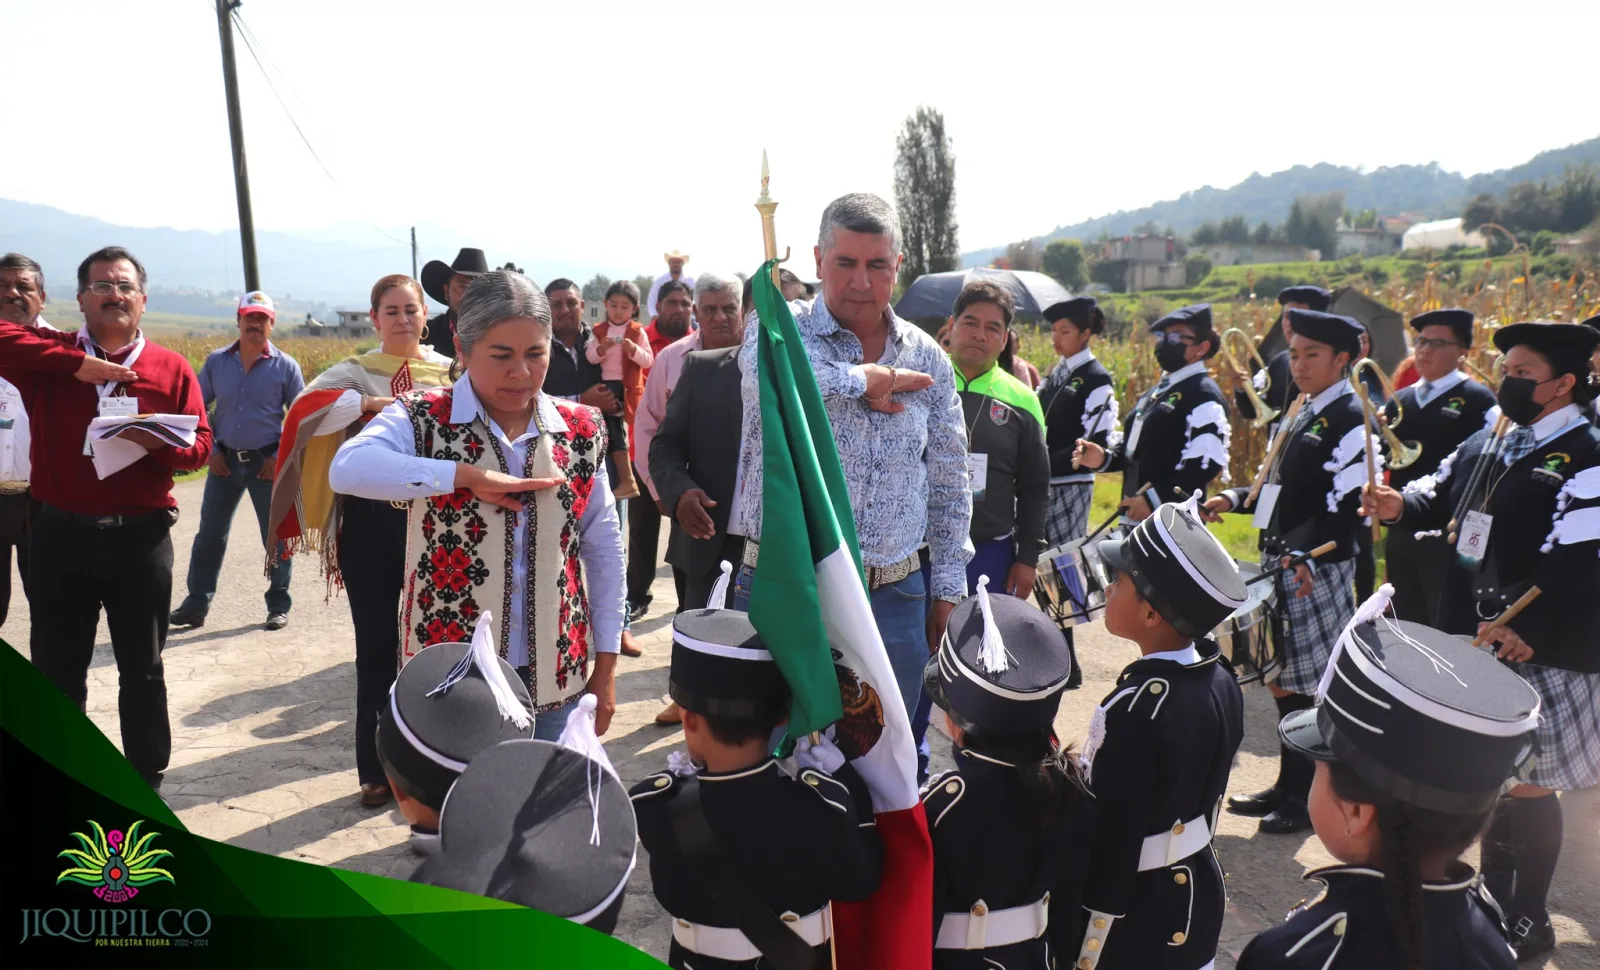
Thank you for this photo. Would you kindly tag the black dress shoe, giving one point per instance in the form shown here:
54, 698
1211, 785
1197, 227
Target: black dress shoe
183, 617
1531, 940
277, 621
1260, 804
1287, 819
638, 612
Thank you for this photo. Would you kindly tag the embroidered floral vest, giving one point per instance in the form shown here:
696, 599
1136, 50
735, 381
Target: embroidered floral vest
458, 551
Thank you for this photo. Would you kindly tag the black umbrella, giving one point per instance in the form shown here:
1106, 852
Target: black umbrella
934, 295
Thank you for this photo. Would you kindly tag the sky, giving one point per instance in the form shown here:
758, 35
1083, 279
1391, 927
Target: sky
583, 137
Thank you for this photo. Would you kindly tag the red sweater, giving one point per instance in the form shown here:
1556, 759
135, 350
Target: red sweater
41, 364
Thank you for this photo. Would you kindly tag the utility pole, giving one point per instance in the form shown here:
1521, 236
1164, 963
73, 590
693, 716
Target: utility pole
241, 174
413, 252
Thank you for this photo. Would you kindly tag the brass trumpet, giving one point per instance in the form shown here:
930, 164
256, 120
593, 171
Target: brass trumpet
1264, 415
1401, 453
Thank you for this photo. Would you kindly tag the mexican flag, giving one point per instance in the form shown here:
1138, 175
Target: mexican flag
809, 602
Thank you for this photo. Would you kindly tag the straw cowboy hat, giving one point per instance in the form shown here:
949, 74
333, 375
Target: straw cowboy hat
673, 254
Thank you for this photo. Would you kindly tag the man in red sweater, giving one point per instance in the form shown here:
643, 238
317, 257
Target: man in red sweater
105, 543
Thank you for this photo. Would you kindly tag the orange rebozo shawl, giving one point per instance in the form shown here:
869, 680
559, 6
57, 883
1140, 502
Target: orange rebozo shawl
305, 510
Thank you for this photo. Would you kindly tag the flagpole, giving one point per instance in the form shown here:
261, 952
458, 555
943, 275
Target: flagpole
767, 205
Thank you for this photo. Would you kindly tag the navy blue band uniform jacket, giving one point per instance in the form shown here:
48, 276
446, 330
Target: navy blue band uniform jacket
1320, 470
988, 853
1347, 927
1175, 438
1160, 748
1079, 402
795, 842
1545, 532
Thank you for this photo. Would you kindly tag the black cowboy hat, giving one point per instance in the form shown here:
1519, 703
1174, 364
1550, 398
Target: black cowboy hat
436, 275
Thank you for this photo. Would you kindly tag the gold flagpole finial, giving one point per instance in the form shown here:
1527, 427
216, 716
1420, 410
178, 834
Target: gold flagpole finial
767, 206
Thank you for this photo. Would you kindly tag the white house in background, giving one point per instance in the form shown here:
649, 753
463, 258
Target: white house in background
1440, 235
1153, 262
1381, 240
1249, 253
352, 324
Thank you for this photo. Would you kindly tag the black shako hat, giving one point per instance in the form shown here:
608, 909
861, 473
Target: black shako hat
1458, 320
1566, 346
721, 667
1419, 714
1339, 332
1001, 666
448, 703
1593, 323
1079, 310
1198, 317
1314, 297
436, 275
542, 825
1179, 568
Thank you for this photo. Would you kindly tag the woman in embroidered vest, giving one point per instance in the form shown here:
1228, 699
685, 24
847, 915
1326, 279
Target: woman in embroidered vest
505, 509
362, 543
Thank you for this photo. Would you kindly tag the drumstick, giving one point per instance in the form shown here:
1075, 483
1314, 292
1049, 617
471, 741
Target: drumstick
1115, 515
1272, 450
1509, 615
1321, 550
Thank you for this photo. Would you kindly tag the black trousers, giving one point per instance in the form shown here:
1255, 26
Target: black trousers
1366, 565
644, 544
75, 571
1417, 569
372, 562
694, 590
15, 513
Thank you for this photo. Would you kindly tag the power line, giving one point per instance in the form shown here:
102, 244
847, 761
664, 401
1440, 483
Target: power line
257, 53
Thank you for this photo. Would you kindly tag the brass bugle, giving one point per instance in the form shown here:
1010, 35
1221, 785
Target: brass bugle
1265, 415
1401, 453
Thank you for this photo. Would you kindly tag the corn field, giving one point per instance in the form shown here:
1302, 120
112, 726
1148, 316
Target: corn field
314, 354
1498, 293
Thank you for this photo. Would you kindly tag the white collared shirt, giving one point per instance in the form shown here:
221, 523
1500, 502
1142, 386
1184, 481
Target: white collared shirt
1428, 390
1556, 423
15, 436
381, 463
1329, 394
1077, 360
1188, 655
1185, 372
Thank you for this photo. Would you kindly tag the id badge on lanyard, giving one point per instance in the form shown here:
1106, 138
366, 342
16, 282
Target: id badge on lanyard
1473, 539
110, 405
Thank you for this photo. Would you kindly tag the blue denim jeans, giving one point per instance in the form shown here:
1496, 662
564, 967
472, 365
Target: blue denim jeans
221, 500
901, 612
549, 725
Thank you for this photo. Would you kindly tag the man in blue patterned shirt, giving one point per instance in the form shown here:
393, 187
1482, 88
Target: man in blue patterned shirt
891, 398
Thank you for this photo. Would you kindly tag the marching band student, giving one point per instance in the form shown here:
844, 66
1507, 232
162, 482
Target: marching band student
1176, 437
1311, 497
1594, 365
1438, 412
1414, 737
450, 702
735, 888
1010, 824
1079, 401
1274, 382
1160, 748
1524, 506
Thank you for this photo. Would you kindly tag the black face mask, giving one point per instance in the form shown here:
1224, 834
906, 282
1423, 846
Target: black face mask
1516, 399
1171, 356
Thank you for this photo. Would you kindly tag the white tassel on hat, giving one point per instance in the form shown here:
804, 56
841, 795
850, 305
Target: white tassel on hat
579, 735
992, 656
482, 655
1373, 608
719, 591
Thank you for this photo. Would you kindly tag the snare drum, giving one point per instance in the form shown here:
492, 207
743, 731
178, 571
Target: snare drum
1246, 636
1070, 583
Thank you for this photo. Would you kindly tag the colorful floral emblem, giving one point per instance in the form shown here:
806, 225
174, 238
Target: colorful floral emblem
116, 865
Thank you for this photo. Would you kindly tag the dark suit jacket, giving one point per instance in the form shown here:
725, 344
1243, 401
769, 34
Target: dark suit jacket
697, 446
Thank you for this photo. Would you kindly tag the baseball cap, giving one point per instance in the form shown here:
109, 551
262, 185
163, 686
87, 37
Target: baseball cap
257, 302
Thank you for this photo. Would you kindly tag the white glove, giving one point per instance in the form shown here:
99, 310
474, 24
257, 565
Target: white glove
823, 755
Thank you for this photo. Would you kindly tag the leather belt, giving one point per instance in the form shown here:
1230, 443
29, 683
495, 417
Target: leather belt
249, 454
13, 488
877, 576
727, 943
982, 927
98, 521
1180, 842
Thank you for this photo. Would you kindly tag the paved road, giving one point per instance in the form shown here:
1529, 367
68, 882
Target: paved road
262, 753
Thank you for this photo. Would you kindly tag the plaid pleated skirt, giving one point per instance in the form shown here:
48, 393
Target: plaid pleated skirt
1068, 515
1567, 742
1312, 625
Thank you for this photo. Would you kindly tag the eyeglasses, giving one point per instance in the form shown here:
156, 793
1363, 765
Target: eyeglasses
1170, 337
1428, 343
106, 288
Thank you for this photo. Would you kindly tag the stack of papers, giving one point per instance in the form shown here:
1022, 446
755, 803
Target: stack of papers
112, 454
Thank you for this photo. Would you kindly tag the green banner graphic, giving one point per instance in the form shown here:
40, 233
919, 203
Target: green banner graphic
98, 871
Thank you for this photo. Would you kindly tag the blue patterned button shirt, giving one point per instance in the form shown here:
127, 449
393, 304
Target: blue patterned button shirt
907, 472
